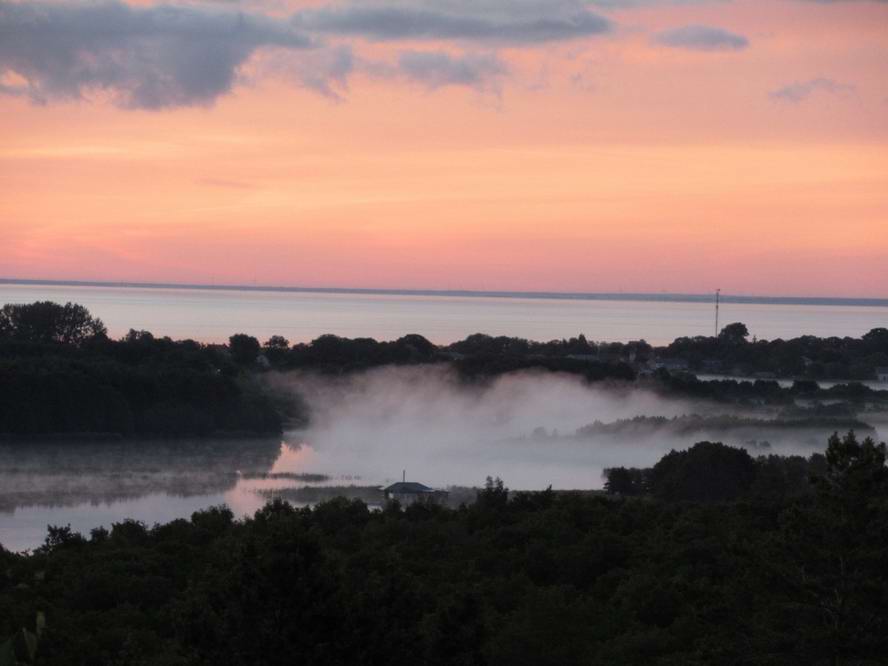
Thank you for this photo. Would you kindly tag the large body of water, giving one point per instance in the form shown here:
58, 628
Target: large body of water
212, 315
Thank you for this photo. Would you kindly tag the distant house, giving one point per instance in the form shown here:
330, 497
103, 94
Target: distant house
882, 375
410, 492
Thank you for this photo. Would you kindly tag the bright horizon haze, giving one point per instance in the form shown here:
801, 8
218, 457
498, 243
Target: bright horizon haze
494, 145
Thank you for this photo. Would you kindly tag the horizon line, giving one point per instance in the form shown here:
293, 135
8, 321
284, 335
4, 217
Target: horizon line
470, 293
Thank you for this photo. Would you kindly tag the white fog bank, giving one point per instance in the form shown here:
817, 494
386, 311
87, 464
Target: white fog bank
422, 419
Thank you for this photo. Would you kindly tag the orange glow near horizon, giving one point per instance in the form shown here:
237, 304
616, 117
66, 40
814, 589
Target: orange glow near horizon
603, 164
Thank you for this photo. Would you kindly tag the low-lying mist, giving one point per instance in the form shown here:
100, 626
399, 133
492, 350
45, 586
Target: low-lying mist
521, 427
66, 473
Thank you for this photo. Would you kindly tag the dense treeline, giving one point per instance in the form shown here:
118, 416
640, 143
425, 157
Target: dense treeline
59, 378
731, 352
692, 424
61, 373
514, 579
711, 471
839, 399
478, 357
482, 356
806, 357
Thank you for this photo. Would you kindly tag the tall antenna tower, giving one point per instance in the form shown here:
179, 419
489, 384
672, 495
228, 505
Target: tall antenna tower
717, 299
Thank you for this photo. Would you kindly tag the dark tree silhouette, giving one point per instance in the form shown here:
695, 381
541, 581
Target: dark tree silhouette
708, 471
829, 565
48, 322
277, 342
734, 334
244, 348
626, 481
494, 495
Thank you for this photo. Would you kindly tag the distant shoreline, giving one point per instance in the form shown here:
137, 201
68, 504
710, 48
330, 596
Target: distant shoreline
540, 295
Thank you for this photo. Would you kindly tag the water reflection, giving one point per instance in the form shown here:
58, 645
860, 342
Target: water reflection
64, 473
88, 484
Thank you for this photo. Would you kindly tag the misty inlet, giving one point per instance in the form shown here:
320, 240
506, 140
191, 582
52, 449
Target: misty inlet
532, 430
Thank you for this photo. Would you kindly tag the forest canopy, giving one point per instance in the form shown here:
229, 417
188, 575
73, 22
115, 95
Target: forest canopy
561, 578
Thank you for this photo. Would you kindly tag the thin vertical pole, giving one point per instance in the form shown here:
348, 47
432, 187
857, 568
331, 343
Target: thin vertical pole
717, 299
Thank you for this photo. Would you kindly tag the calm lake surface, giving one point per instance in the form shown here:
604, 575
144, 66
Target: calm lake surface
86, 485
214, 315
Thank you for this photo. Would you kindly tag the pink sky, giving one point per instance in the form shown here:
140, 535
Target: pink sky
685, 146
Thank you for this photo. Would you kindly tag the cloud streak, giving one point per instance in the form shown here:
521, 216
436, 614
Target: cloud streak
438, 69
325, 71
482, 23
799, 91
701, 38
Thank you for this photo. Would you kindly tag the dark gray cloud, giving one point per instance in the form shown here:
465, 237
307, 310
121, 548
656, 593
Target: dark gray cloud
485, 22
702, 38
436, 69
170, 55
799, 91
146, 57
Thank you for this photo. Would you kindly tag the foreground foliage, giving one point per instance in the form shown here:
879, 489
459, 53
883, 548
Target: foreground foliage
522, 578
